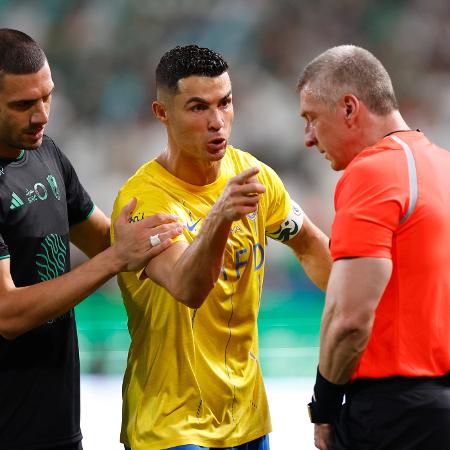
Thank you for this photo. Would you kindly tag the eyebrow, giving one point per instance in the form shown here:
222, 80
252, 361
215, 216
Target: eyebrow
204, 101
12, 102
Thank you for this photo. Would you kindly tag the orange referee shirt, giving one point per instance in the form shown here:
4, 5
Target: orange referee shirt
393, 201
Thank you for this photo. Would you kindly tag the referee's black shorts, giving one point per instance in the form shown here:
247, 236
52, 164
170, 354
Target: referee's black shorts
395, 414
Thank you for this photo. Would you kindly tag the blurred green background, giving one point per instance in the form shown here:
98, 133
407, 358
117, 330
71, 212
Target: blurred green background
289, 322
103, 54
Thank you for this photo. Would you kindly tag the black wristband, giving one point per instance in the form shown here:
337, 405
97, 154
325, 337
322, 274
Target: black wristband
327, 400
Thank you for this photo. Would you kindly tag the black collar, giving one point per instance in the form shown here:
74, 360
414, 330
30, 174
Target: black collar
399, 131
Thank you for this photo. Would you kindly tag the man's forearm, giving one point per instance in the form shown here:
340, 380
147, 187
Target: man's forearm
316, 262
354, 291
311, 249
341, 347
198, 269
189, 274
24, 308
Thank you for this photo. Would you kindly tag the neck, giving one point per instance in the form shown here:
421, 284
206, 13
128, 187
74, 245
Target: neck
377, 127
390, 124
189, 169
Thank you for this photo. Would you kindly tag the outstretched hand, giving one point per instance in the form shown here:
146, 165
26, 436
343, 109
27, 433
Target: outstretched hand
241, 195
132, 240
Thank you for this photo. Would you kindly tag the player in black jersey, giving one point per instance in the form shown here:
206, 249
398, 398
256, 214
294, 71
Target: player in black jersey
43, 206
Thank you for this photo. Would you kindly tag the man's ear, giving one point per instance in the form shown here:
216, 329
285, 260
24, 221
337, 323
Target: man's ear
351, 107
160, 111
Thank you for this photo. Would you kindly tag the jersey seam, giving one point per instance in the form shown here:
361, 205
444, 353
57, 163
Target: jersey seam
412, 178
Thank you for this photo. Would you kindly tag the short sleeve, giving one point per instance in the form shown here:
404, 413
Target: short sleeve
150, 201
278, 202
79, 203
369, 201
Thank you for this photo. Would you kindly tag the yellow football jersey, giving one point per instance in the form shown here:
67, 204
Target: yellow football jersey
193, 376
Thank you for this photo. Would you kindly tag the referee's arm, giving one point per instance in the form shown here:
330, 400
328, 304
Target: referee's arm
354, 291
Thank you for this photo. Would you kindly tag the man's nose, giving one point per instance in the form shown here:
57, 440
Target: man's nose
40, 113
216, 121
310, 137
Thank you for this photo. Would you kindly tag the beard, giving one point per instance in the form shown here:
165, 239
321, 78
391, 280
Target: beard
15, 142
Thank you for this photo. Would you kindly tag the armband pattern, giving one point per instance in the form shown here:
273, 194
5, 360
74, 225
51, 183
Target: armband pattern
290, 226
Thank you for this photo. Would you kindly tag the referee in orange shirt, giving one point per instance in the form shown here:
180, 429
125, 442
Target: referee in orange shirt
385, 334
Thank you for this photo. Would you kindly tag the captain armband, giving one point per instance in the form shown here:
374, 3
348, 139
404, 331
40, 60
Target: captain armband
290, 226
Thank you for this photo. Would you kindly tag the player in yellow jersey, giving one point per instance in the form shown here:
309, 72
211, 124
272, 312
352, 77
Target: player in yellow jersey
193, 378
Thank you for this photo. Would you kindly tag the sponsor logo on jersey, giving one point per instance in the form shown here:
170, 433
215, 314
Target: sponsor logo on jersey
38, 192
16, 201
54, 185
136, 217
191, 226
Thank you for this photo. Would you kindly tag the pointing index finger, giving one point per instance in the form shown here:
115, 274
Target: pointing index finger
244, 176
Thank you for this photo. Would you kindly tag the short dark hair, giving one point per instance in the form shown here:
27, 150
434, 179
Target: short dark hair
19, 53
182, 62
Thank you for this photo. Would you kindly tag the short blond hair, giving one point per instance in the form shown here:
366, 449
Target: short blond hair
350, 69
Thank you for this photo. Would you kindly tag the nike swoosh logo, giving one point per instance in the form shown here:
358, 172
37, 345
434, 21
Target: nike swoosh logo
192, 227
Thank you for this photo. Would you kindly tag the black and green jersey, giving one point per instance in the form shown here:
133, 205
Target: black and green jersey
40, 198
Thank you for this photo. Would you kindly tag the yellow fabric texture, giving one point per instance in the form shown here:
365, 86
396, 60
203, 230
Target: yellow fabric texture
193, 376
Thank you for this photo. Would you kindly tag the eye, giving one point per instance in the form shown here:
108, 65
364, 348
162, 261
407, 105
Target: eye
225, 102
23, 105
199, 107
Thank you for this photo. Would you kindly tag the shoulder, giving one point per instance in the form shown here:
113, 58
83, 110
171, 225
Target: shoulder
240, 159
48, 155
380, 164
244, 160
139, 178
48, 144
153, 194
144, 178
50, 150
48, 141
379, 175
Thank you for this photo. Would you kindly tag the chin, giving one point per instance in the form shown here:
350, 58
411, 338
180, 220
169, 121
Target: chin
32, 145
217, 155
338, 166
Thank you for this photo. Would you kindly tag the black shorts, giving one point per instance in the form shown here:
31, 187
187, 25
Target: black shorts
76, 446
395, 414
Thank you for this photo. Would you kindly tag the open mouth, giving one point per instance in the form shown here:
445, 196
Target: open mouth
217, 144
